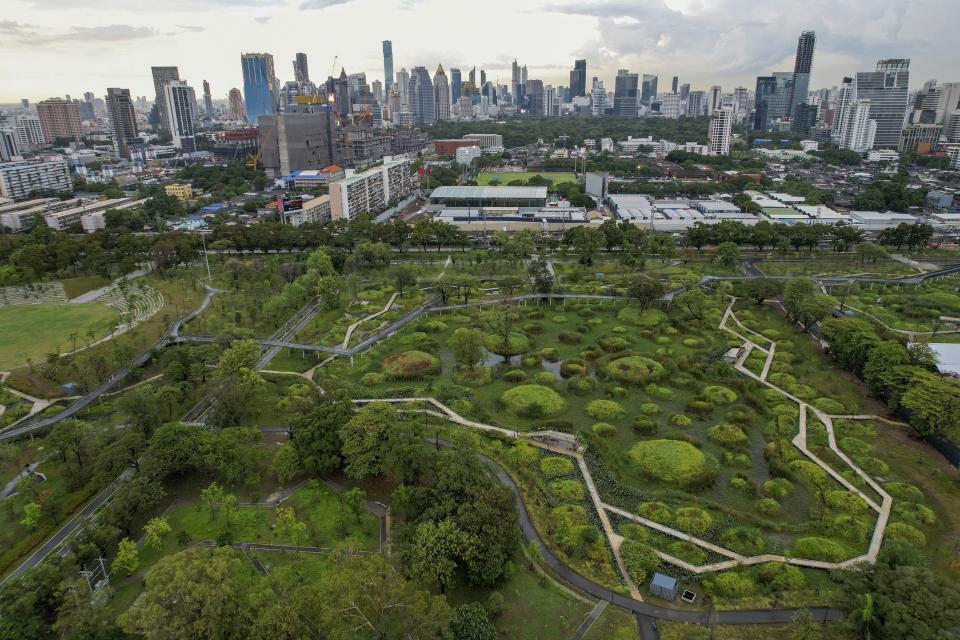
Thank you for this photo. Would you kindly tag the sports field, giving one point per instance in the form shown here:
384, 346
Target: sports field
508, 176
34, 330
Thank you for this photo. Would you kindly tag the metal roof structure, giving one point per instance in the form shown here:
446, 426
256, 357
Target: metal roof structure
473, 193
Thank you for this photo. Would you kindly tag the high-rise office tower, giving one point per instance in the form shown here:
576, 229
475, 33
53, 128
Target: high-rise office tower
886, 89
388, 64
301, 140
685, 91
456, 82
804, 119
483, 77
844, 99
301, 72
715, 99
741, 97
551, 101
161, 77
721, 123
237, 111
801, 70
376, 88
472, 76
578, 79
534, 95
674, 85
648, 88
598, 97
515, 80
123, 120
421, 96
259, 85
403, 85
696, 104
625, 94
207, 100
180, 99
523, 74
441, 95
59, 118
860, 132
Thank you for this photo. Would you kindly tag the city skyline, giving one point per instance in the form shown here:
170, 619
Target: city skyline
699, 43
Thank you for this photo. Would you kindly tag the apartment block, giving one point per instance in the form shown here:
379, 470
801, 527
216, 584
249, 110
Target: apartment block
372, 190
19, 180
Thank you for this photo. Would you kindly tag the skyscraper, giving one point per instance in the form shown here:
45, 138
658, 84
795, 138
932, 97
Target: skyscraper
886, 89
721, 122
685, 91
162, 76
696, 104
846, 95
483, 77
388, 64
804, 119
207, 100
648, 89
715, 99
860, 131
59, 118
578, 78
801, 70
403, 84
534, 93
514, 79
441, 95
674, 84
235, 98
598, 97
301, 72
625, 94
259, 85
455, 84
180, 99
123, 120
421, 96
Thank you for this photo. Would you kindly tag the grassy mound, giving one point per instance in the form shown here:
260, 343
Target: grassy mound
673, 461
410, 364
728, 435
816, 548
533, 401
718, 394
634, 369
605, 409
516, 344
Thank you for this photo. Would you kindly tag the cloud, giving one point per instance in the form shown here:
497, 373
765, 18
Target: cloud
147, 7
12, 28
263, 19
190, 28
106, 33
309, 5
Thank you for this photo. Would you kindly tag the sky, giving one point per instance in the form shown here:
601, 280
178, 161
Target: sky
57, 47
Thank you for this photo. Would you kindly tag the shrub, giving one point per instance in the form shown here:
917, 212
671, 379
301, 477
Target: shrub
808, 473
544, 378
612, 344
673, 462
656, 511
649, 408
634, 531
433, 326
371, 379
692, 520
558, 319
849, 527
605, 410
472, 376
634, 370
739, 484
768, 506
728, 435
644, 426
496, 603
549, 354
640, 559
567, 490
873, 466
734, 584
516, 343
648, 318
556, 466
745, 540
778, 488
604, 429
855, 446
718, 394
699, 406
829, 405
617, 392
410, 364
687, 551
570, 337
533, 401
817, 548
573, 367
515, 375
907, 533
780, 576
661, 393
915, 513
680, 420
581, 385
692, 342
842, 500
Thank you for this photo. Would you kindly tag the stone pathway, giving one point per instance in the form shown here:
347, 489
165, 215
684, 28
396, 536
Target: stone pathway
372, 316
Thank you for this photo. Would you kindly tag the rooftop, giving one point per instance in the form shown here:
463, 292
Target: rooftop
489, 192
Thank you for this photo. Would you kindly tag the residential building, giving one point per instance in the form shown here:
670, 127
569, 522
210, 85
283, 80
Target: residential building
886, 89
696, 103
578, 79
487, 140
29, 133
259, 85
860, 131
16, 216
551, 101
625, 94
714, 99
801, 70
421, 100
684, 91
598, 97
648, 88
372, 190
123, 120
207, 100
63, 220
919, 138
295, 141
22, 179
312, 211
670, 105
162, 76
237, 110
313, 178
180, 100
846, 95
741, 104
388, 64
403, 84
719, 133
59, 118
9, 141
441, 95
180, 190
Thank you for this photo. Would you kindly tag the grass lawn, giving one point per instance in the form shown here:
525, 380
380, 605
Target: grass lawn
74, 287
833, 266
508, 176
614, 624
681, 631
32, 331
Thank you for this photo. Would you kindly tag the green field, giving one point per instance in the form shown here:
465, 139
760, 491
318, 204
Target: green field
508, 176
33, 331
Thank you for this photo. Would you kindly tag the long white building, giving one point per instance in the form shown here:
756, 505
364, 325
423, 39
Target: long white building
19, 180
372, 190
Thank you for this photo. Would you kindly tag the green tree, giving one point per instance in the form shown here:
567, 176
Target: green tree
727, 254
434, 552
403, 279
364, 438
156, 529
935, 404
31, 515
355, 500
212, 498
316, 436
645, 291
467, 345
472, 623
694, 300
127, 559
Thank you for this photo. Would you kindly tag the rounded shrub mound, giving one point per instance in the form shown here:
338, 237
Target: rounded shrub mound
904, 491
533, 401
915, 513
829, 405
605, 410
778, 488
768, 506
817, 548
544, 377
680, 420
733, 584
718, 394
556, 466
909, 534
515, 375
780, 576
573, 367
612, 344
745, 540
604, 429
692, 519
728, 435
640, 559
842, 500
656, 511
371, 379
634, 369
673, 461
581, 385
568, 490
648, 318
515, 344
410, 364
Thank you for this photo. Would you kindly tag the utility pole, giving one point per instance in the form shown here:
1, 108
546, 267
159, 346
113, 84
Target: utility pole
206, 258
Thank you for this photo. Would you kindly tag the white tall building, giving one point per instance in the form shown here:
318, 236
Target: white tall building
441, 94
741, 107
860, 131
551, 101
846, 95
598, 98
29, 132
181, 103
373, 190
721, 123
670, 105
403, 82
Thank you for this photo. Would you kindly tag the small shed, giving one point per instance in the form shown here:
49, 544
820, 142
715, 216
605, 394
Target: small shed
663, 586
